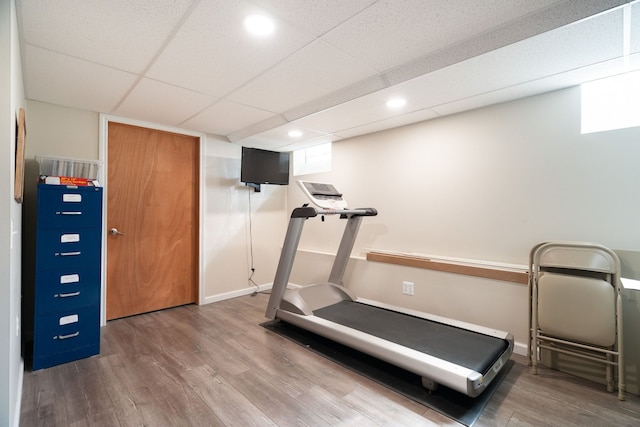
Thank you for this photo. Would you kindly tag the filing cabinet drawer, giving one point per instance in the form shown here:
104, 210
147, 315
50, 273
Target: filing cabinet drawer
69, 248
67, 289
63, 207
66, 336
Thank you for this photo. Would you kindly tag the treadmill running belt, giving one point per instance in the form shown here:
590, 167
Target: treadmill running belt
466, 348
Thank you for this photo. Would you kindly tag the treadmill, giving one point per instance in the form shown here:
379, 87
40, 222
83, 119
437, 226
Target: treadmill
459, 355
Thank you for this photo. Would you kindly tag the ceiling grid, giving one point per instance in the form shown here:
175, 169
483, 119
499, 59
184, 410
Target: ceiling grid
329, 67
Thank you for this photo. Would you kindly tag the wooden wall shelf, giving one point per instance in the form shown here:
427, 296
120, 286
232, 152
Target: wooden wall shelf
488, 272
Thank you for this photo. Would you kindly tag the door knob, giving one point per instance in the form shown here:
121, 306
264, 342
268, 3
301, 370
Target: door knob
115, 232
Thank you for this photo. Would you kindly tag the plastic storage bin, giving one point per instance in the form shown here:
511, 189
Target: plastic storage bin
77, 168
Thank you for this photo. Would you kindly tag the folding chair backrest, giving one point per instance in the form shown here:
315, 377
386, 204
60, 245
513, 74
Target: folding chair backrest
577, 308
577, 258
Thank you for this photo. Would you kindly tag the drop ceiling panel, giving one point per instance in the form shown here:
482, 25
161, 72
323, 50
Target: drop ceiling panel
408, 29
314, 17
367, 109
213, 54
102, 31
59, 79
534, 87
309, 73
568, 48
580, 44
355, 90
393, 122
278, 137
224, 116
171, 105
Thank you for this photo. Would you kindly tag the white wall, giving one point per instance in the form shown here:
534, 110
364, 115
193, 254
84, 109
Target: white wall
12, 96
230, 230
485, 185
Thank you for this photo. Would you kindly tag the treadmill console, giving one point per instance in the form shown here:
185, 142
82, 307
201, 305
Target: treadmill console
322, 195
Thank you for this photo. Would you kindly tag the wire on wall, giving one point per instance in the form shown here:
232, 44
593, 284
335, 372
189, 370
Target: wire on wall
253, 269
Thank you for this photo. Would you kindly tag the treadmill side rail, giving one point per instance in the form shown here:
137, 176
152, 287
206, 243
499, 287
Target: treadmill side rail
443, 372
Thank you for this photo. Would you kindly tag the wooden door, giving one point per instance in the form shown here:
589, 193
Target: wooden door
152, 202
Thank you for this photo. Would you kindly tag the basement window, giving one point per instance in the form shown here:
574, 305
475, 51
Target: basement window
611, 103
314, 159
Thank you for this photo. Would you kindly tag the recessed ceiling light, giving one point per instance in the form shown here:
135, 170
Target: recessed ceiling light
295, 133
396, 102
259, 25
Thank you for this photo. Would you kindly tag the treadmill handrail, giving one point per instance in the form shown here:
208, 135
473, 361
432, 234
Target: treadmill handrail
290, 246
310, 212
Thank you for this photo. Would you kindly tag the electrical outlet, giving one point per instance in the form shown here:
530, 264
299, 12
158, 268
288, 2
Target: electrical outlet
407, 288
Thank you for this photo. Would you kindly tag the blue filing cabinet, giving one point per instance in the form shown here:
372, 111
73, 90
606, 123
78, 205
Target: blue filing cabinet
68, 247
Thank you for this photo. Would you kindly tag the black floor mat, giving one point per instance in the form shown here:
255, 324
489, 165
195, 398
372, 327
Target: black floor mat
455, 405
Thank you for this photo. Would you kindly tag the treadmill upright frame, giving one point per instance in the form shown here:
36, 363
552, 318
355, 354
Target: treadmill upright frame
292, 240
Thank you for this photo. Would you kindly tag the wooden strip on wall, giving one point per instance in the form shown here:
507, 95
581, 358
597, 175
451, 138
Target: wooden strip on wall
450, 267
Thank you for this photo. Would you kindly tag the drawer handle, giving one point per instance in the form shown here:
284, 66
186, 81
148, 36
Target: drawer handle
68, 213
64, 337
70, 294
68, 253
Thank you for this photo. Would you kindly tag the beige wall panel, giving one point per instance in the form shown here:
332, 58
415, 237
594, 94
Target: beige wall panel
53, 130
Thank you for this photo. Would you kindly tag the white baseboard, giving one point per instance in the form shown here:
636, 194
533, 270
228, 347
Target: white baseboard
520, 348
234, 294
242, 292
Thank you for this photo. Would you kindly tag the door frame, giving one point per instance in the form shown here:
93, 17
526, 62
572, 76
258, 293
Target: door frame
105, 119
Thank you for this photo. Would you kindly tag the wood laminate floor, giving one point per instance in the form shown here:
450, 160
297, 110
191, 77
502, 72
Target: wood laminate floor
214, 365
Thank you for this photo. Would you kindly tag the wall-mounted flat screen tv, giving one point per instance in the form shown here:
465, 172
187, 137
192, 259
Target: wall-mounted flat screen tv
264, 167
